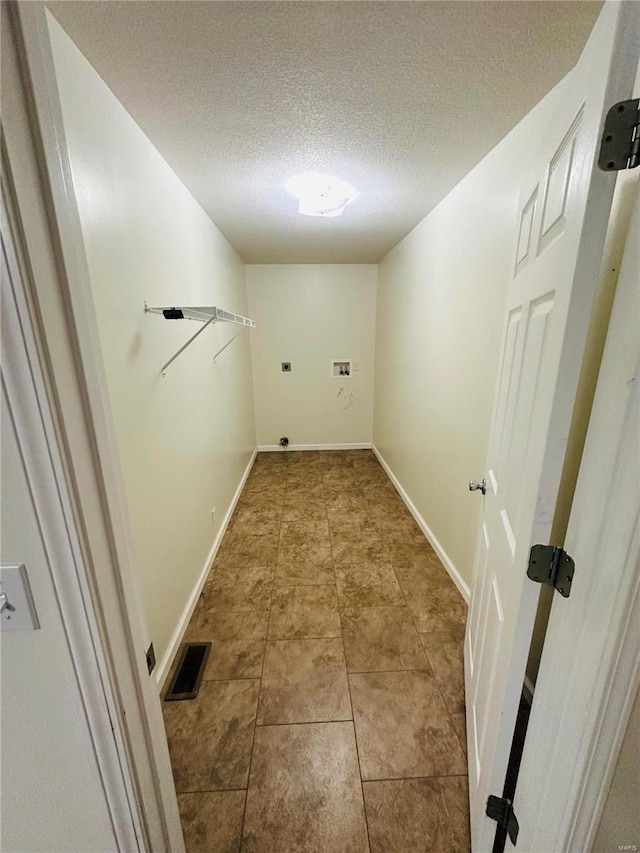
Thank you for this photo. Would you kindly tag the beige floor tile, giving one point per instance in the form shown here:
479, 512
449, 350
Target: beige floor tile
296, 510
304, 460
369, 476
367, 585
337, 458
349, 552
254, 521
261, 473
270, 458
308, 568
381, 638
304, 681
352, 527
210, 737
415, 561
261, 500
341, 521
210, 625
341, 478
382, 494
305, 534
300, 490
418, 815
304, 793
238, 589
304, 560
303, 477
234, 659
267, 482
237, 641
243, 549
304, 611
212, 821
440, 609
403, 727
395, 531
446, 656
345, 498
435, 603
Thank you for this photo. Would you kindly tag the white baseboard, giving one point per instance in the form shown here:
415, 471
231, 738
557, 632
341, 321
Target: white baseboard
163, 668
264, 448
446, 561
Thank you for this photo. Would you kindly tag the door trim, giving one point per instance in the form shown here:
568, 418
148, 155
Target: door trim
65, 333
28, 409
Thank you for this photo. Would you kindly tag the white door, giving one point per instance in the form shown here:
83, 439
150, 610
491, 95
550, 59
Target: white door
558, 237
590, 666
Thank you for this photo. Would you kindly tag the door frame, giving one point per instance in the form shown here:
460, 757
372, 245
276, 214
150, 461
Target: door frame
66, 336
57, 310
29, 411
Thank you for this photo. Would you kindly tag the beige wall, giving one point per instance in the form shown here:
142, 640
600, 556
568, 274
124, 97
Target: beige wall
308, 315
183, 441
620, 820
441, 295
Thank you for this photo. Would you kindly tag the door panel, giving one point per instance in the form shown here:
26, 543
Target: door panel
566, 767
558, 242
557, 190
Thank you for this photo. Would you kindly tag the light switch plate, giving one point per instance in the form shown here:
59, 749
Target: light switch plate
14, 583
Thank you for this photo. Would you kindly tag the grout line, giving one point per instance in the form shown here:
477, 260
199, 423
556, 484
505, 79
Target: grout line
374, 607
235, 678
291, 639
416, 778
385, 671
264, 654
437, 684
301, 723
344, 651
212, 791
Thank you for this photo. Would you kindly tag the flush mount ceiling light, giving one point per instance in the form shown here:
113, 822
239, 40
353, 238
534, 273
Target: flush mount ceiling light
320, 195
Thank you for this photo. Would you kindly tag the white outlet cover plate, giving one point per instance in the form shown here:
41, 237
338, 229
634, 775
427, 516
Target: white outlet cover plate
14, 583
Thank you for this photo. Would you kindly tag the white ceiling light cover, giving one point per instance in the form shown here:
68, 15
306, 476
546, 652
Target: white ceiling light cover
320, 195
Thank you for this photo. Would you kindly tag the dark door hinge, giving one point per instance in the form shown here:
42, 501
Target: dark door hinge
620, 146
151, 658
500, 809
553, 566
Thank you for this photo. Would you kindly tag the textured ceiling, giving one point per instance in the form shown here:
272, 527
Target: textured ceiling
400, 99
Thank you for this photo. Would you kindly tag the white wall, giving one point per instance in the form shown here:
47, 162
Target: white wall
441, 294
183, 441
51, 794
309, 315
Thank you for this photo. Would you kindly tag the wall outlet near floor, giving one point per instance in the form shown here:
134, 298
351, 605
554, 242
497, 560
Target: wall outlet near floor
213, 516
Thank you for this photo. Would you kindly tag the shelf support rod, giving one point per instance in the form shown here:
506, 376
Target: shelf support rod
190, 341
244, 329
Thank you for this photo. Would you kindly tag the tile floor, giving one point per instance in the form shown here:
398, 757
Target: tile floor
331, 714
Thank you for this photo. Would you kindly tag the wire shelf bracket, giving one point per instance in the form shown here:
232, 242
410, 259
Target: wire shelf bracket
205, 315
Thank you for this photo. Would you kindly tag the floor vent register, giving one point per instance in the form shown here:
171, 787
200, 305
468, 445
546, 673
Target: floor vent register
189, 671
